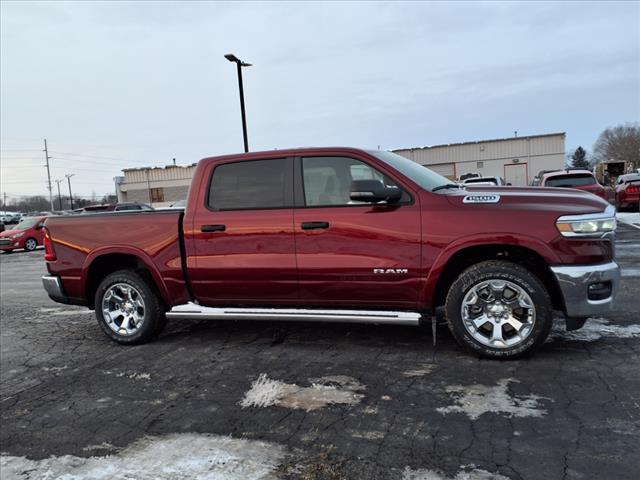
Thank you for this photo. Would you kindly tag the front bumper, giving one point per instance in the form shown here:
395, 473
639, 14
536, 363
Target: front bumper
7, 243
574, 283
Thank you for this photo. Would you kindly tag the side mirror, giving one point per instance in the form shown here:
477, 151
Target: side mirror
374, 191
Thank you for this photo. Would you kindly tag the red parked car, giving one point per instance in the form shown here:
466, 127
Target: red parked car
628, 191
343, 235
27, 234
580, 179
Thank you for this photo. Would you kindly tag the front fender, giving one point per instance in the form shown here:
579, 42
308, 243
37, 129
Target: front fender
481, 240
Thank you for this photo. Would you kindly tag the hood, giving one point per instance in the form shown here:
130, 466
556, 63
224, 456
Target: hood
563, 201
8, 233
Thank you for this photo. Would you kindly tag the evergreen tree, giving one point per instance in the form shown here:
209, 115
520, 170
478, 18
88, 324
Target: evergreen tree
579, 159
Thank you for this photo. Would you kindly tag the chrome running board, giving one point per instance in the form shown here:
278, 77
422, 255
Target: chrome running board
193, 310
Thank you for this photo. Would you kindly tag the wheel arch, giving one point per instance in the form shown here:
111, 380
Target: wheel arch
458, 260
101, 263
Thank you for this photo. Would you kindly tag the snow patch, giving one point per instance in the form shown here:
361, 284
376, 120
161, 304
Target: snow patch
60, 311
369, 435
473, 474
55, 369
629, 218
630, 272
101, 446
178, 456
421, 371
324, 391
135, 375
476, 400
595, 329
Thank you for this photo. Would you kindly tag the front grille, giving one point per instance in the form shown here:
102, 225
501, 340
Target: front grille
4, 242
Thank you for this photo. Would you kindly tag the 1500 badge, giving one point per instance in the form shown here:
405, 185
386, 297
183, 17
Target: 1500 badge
481, 199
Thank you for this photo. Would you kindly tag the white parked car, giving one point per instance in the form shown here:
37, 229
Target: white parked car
495, 181
10, 217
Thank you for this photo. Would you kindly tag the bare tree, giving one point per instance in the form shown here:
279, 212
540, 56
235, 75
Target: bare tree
620, 143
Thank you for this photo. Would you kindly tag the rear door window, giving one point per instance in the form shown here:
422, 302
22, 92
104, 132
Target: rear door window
251, 185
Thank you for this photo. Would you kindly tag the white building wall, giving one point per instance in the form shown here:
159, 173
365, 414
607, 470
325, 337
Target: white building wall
138, 182
492, 157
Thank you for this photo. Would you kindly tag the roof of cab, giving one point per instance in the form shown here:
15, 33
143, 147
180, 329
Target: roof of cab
286, 153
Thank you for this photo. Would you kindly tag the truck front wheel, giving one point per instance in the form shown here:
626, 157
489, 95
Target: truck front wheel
499, 309
128, 309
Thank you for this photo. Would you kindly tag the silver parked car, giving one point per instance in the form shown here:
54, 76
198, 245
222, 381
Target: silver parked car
495, 181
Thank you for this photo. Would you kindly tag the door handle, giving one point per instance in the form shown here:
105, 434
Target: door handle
314, 225
212, 228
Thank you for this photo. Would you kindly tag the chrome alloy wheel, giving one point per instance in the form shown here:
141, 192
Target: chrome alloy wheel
123, 309
498, 313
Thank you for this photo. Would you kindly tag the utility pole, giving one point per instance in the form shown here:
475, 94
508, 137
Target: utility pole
59, 196
69, 175
4, 202
47, 157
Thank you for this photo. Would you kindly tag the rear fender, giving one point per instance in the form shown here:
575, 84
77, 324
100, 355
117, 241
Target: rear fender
139, 254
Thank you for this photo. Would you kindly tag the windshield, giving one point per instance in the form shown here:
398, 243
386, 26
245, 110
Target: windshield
580, 180
26, 223
427, 179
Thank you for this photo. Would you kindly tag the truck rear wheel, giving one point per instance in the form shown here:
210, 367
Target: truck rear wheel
499, 309
128, 309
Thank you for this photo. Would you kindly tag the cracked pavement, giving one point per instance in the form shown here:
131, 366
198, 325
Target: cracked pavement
571, 411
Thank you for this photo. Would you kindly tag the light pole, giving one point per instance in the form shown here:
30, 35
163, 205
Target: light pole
69, 175
239, 63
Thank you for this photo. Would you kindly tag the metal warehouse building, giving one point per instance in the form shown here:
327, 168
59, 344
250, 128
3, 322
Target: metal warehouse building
155, 186
516, 159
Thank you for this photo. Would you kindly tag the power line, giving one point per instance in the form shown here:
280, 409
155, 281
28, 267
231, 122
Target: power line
80, 162
15, 182
19, 150
118, 159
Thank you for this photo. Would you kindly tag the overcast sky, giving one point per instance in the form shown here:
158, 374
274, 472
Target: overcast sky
114, 85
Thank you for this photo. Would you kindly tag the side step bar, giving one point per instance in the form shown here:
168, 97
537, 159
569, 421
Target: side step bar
193, 310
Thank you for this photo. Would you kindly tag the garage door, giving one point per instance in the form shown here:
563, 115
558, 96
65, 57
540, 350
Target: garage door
445, 169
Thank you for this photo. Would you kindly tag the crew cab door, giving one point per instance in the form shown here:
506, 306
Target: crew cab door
354, 254
240, 247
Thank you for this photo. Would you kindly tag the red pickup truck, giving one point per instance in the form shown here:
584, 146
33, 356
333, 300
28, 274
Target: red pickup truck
341, 234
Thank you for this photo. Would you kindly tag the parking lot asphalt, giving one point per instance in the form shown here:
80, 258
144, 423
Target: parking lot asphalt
222, 399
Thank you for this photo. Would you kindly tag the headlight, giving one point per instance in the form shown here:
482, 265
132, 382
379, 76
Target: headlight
17, 235
590, 225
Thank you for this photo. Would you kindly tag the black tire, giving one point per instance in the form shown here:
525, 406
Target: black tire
30, 246
511, 272
154, 318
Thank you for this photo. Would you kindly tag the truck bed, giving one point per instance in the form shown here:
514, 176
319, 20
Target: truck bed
84, 243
